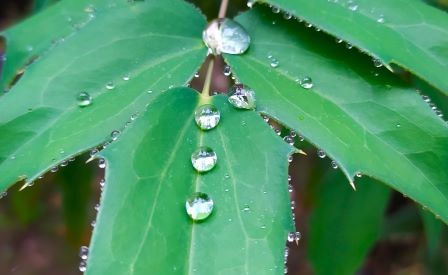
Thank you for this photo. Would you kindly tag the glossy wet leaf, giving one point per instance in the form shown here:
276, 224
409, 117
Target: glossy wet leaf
123, 57
409, 33
344, 224
143, 227
367, 123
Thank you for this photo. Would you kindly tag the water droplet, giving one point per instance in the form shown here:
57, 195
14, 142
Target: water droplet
227, 71
93, 223
349, 46
321, 154
334, 164
83, 252
242, 97
251, 3
292, 133
246, 208
306, 82
275, 10
3, 194
339, 41
114, 134
290, 158
64, 163
102, 163
358, 174
126, 77
199, 206
290, 189
84, 99
83, 266
274, 63
102, 182
426, 98
287, 15
294, 236
278, 132
377, 63
54, 169
289, 140
149, 91
196, 75
224, 35
12, 157
289, 178
110, 85
308, 25
204, 159
97, 207
353, 6
93, 152
398, 125
380, 19
207, 116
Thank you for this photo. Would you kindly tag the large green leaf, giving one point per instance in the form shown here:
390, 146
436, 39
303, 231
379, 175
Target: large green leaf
41, 122
344, 224
142, 227
366, 123
413, 35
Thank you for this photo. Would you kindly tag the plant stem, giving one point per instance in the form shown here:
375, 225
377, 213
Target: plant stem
208, 79
223, 8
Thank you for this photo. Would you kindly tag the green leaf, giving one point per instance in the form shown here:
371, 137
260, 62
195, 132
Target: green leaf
345, 224
414, 35
366, 123
40, 5
142, 226
42, 123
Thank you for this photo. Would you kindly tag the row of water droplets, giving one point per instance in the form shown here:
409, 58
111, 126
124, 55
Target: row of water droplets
235, 41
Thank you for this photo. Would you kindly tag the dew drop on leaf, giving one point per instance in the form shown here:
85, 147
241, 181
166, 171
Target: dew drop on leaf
242, 97
334, 164
102, 163
224, 35
380, 19
204, 159
207, 116
274, 63
306, 82
227, 70
83, 252
275, 10
294, 236
377, 63
110, 85
83, 266
114, 134
251, 3
289, 140
199, 206
84, 99
321, 154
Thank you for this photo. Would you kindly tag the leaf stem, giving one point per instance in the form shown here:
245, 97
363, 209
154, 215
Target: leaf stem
208, 79
223, 8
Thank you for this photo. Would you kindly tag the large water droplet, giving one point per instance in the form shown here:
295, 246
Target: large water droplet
242, 97
204, 159
199, 206
84, 99
207, 116
224, 35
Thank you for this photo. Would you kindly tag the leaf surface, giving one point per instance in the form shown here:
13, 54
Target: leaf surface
344, 224
143, 228
41, 122
413, 34
367, 123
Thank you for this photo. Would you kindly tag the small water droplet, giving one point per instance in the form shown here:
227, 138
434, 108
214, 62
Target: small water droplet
251, 3
149, 91
93, 223
287, 15
308, 25
380, 19
93, 152
196, 75
204, 159
289, 140
275, 9
102, 163
290, 158
398, 125
349, 46
290, 189
102, 182
334, 164
83, 266
84, 99
321, 154
278, 132
358, 174
114, 134
110, 85
3, 194
242, 97
292, 133
207, 116
246, 208
294, 236
339, 41
54, 169
83, 252
306, 82
274, 63
227, 71
64, 163
289, 178
199, 206
426, 98
126, 77
353, 6
377, 63
224, 35
97, 207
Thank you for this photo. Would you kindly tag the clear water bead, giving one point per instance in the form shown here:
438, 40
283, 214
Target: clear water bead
334, 164
227, 71
114, 134
274, 63
84, 99
306, 82
199, 206
294, 236
251, 3
321, 154
83, 252
82, 266
224, 35
204, 159
102, 163
377, 63
242, 97
207, 116
110, 85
